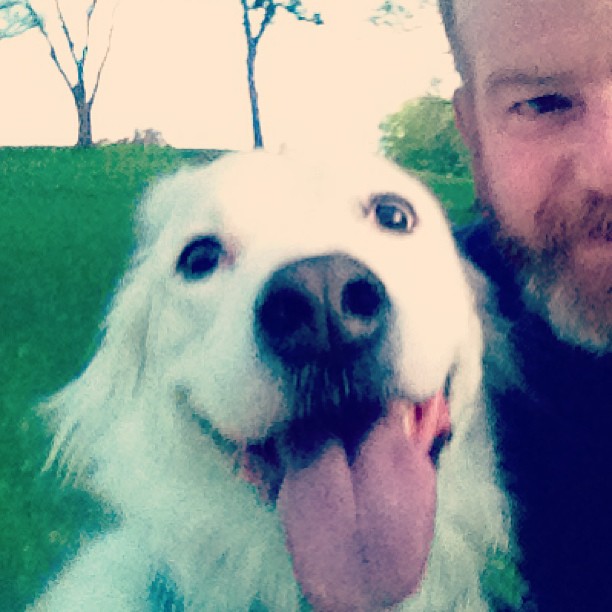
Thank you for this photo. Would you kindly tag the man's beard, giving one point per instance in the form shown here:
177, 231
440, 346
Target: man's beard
566, 270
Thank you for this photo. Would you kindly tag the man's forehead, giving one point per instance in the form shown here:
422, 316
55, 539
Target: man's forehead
539, 9
524, 42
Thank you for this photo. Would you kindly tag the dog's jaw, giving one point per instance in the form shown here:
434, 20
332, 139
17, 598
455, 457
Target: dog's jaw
360, 531
360, 534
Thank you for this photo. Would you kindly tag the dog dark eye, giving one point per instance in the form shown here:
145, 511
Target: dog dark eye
393, 213
200, 257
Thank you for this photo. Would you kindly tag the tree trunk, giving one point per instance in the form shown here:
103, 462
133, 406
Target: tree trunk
84, 138
83, 107
257, 136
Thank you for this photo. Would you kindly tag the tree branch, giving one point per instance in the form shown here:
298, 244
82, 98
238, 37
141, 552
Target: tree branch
103, 62
265, 22
66, 32
297, 10
90, 10
14, 22
9, 4
270, 10
245, 20
41, 27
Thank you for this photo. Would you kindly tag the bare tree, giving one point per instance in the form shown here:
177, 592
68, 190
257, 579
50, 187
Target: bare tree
18, 16
265, 10
396, 13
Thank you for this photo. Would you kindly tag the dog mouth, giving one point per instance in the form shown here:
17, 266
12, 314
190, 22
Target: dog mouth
296, 445
360, 531
358, 503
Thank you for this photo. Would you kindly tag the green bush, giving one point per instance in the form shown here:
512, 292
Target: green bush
455, 193
422, 136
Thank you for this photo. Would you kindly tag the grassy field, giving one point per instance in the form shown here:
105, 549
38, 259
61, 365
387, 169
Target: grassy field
64, 239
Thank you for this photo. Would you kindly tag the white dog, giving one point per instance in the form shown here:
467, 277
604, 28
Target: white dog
270, 408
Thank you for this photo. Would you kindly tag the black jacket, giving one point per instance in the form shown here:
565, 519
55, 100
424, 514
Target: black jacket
555, 441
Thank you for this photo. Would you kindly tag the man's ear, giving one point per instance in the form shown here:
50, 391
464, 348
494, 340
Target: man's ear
465, 120
465, 117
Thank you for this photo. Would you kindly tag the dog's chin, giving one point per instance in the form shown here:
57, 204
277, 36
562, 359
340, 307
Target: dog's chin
357, 504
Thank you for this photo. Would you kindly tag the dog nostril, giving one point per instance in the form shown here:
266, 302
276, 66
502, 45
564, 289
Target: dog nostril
361, 298
328, 307
284, 312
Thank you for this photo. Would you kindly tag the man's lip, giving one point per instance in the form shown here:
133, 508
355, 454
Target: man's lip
593, 253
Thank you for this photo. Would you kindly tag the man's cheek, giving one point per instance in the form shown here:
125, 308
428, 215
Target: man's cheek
519, 180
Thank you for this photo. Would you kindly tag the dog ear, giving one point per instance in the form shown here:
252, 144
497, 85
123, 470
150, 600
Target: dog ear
86, 408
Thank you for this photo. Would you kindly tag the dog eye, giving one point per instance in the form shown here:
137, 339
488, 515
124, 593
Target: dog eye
393, 213
200, 257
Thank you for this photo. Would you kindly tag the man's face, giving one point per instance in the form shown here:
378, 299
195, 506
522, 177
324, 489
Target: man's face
537, 115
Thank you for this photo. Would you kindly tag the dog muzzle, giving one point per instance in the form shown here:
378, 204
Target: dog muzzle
355, 481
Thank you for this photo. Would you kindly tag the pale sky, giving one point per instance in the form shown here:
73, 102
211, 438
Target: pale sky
179, 67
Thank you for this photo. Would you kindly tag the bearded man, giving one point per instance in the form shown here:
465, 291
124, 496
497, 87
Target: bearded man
535, 109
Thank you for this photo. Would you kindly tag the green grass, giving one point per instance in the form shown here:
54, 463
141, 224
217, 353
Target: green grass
64, 239
65, 236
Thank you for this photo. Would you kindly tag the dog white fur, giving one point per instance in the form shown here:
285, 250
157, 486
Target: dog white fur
174, 348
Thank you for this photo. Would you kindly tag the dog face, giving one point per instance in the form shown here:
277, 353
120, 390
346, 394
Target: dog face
304, 326
294, 308
241, 231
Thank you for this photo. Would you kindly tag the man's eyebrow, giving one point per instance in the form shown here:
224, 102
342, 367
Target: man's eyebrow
511, 78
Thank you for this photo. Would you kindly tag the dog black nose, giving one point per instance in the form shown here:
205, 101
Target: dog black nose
321, 308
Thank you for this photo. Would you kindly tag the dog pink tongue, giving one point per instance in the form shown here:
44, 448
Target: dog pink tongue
360, 535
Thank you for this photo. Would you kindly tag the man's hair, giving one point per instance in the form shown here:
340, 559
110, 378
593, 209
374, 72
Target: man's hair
449, 19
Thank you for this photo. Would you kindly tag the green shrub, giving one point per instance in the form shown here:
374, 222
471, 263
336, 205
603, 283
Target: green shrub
422, 136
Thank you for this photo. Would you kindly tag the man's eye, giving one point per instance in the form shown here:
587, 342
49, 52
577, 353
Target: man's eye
542, 105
